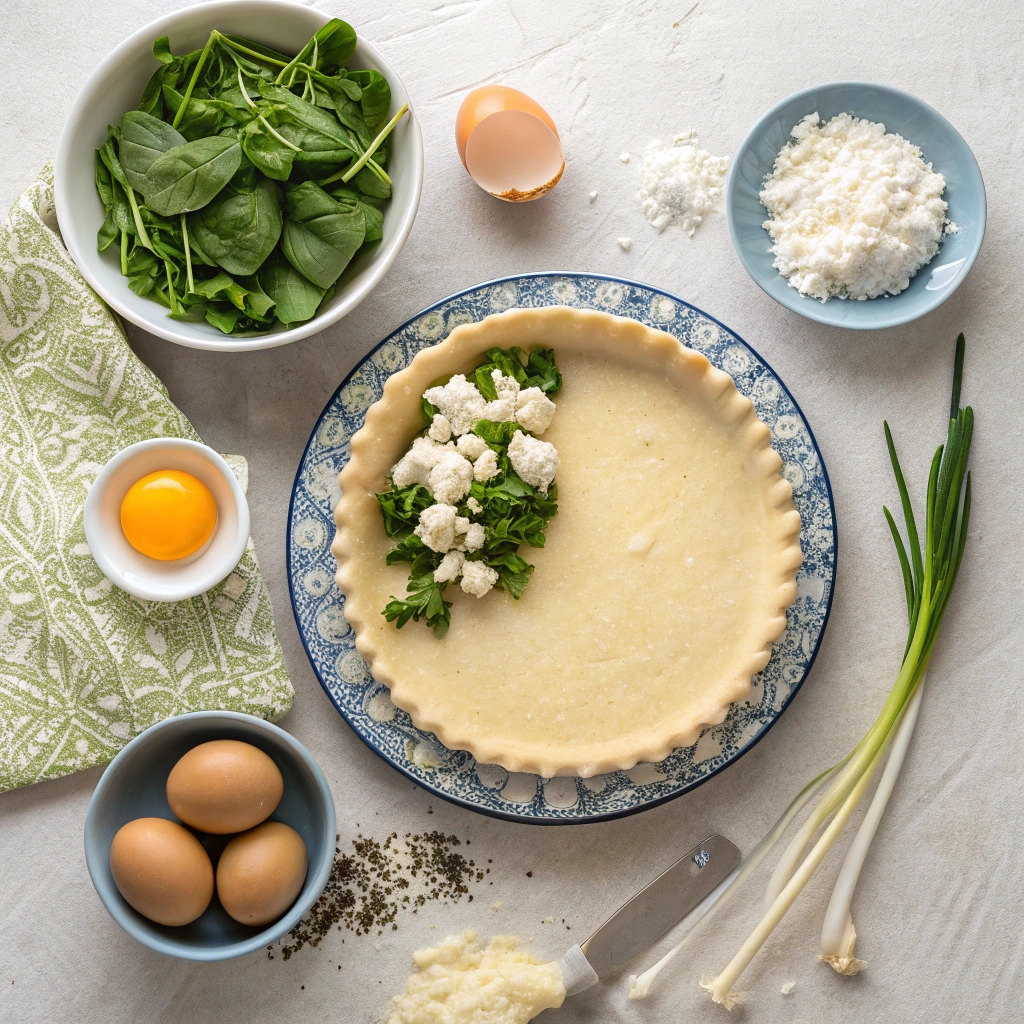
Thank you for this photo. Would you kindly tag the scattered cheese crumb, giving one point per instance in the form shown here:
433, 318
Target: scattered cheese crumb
497, 905
486, 466
535, 461
680, 183
624, 157
501, 411
478, 578
788, 987
474, 506
534, 410
592, 196
548, 920
625, 244
475, 537
451, 477
414, 467
854, 212
471, 446
437, 527
506, 387
459, 401
440, 429
450, 568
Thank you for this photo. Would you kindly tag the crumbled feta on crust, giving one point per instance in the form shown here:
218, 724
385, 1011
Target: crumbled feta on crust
471, 446
437, 527
440, 429
501, 411
474, 506
506, 387
459, 401
535, 461
451, 477
414, 467
534, 410
450, 568
478, 578
474, 539
486, 467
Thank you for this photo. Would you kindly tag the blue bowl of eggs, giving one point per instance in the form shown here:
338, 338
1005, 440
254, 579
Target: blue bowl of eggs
902, 114
210, 835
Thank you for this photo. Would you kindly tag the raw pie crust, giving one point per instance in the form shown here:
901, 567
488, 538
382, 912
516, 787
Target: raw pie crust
666, 576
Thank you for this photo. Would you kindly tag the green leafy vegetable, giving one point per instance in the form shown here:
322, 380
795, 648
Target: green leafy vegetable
511, 512
209, 188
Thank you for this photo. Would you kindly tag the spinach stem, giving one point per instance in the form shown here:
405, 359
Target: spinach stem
349, 173
195, 77
188, 256
170, 287
140, 228
124, 252
239, 48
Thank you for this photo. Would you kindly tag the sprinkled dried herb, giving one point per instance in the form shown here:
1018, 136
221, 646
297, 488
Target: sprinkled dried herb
371, 885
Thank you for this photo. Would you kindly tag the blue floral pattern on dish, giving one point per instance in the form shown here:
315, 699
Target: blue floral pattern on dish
454, 774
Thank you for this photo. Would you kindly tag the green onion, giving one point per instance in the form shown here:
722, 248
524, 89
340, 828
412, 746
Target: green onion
928, 576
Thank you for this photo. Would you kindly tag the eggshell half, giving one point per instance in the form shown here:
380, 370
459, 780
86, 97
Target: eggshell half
260, 873
162, 870
224, 786
508, 143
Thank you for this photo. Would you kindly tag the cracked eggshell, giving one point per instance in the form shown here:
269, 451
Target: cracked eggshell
508, 143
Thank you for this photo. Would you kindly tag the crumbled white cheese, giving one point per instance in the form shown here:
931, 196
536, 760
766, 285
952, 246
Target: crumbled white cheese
459, 401
474, 506
625, 244
471, 446
534, 410
450, 477
506, 387
440, 429
458, 983
450, 568
474, 537
414, 467
592, 196
486, 467
788, 988
624, 157
680, 183
437, 527
478, 578
501, 411
535, 461
854, 211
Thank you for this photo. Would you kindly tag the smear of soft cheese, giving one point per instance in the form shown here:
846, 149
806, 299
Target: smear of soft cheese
855, 212
456, 982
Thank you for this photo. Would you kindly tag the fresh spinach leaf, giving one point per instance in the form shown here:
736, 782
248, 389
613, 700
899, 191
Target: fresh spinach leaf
143, 138
320, 234
240, 230
267, 153
188, 176
296, 298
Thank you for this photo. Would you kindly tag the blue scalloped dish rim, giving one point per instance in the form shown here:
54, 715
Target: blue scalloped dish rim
454, 775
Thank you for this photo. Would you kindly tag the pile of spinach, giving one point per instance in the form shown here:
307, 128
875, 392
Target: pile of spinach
247, 180
513, 513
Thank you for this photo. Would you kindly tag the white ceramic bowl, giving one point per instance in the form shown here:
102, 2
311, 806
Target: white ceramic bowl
116, 86
145, 577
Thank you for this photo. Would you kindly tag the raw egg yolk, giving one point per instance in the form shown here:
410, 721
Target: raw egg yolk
168, 515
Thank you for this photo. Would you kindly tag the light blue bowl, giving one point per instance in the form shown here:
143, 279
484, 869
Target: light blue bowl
134, 786
903, 114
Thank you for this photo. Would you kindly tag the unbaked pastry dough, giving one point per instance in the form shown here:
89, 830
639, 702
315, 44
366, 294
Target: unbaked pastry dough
666, 576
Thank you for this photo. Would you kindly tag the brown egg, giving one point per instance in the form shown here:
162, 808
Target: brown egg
162, 870
261, 872
224, 786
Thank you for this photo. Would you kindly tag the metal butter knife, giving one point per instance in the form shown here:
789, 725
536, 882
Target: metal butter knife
653, 911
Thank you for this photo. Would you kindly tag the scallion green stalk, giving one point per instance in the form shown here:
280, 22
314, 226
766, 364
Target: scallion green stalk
928, 577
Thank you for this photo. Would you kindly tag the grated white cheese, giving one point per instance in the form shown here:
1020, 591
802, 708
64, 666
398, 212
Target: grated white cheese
854, 211
680, 183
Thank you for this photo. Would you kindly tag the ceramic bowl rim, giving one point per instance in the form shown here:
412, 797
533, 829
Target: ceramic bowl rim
283, 925
97, 542
159, 324
812, 309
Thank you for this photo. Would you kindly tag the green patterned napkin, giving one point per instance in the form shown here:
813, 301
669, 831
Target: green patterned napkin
84, 667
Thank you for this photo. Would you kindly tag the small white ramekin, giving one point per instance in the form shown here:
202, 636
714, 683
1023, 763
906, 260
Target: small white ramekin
145, 577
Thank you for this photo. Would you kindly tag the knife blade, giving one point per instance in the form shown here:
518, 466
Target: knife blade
653, 911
